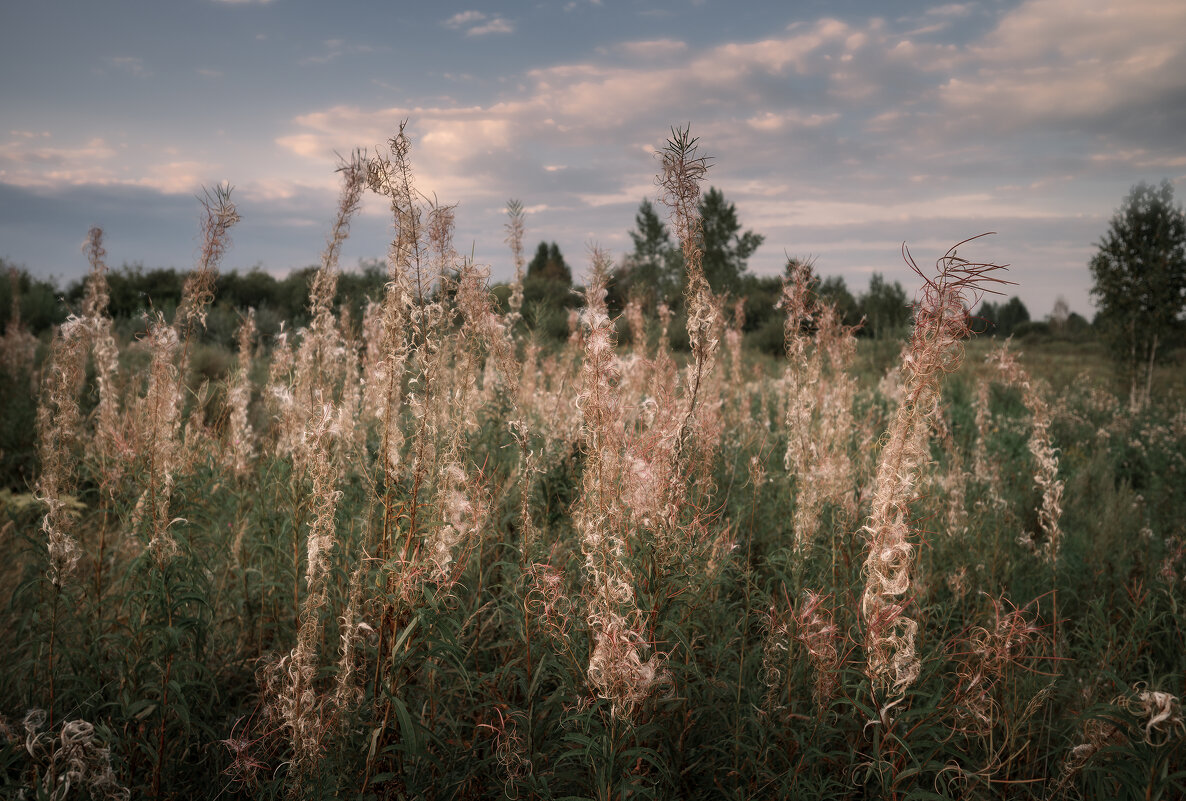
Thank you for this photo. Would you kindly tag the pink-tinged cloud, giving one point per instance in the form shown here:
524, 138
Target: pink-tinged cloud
651, 48
496, 25
463, 18
95, 162
1072, 60
478, 23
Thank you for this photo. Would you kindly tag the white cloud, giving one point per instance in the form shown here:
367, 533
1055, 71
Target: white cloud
26, 164
602, 119
1140, 159
477, 23
775, 121
95, 162
453, 147
840, 101
652, 48
834, 134
495, 25
818, 213
175, 177
1068, 60
626, 195
464, 18
951, 10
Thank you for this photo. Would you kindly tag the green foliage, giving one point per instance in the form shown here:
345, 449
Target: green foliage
834, 290
135, 290
1139, 272
886, 308
38, 299
405, 664
465, 691
18, 430
548, 294
548, 265
653, 272
726, 247
1030, 330
1001, 319
763, 321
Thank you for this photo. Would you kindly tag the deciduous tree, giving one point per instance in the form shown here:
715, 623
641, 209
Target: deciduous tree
1140, 279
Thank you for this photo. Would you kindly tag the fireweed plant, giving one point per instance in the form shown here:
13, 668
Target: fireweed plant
430, 552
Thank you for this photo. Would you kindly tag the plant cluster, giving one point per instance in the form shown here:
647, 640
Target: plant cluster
420, 553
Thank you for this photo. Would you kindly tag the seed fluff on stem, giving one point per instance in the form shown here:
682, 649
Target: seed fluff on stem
935, 348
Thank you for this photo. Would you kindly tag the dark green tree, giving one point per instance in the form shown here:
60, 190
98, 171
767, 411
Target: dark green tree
1000, 319
885, 307
548, 264
1077, 326
653, 272
547, 292
726, 247
1140, 278
37, 299
764, 320
834, 290
1011, 314
984, 321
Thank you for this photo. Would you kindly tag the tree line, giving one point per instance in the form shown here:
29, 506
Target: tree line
650, 274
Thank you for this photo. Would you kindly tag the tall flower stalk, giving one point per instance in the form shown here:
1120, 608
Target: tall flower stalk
935, 348
683, 169
58, 428
1045, 455
301, 705
516, 228
617, 669
197, 293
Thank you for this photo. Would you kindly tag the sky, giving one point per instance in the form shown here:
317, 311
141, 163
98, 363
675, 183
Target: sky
840, 129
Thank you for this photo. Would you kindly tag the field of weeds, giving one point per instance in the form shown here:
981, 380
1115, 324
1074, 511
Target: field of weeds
421, 555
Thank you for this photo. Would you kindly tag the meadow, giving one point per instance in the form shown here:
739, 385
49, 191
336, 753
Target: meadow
422, 553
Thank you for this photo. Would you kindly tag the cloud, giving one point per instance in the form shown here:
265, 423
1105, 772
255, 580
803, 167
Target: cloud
745, 98
838, 136
495, 25
950, 10
26, 163
333, 49
841, 137
774, 121
652, 48
1141, 159
130, 65
95, 162
1094, 65
463, 18
175, 177
455, 147
42, 227
477, 23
